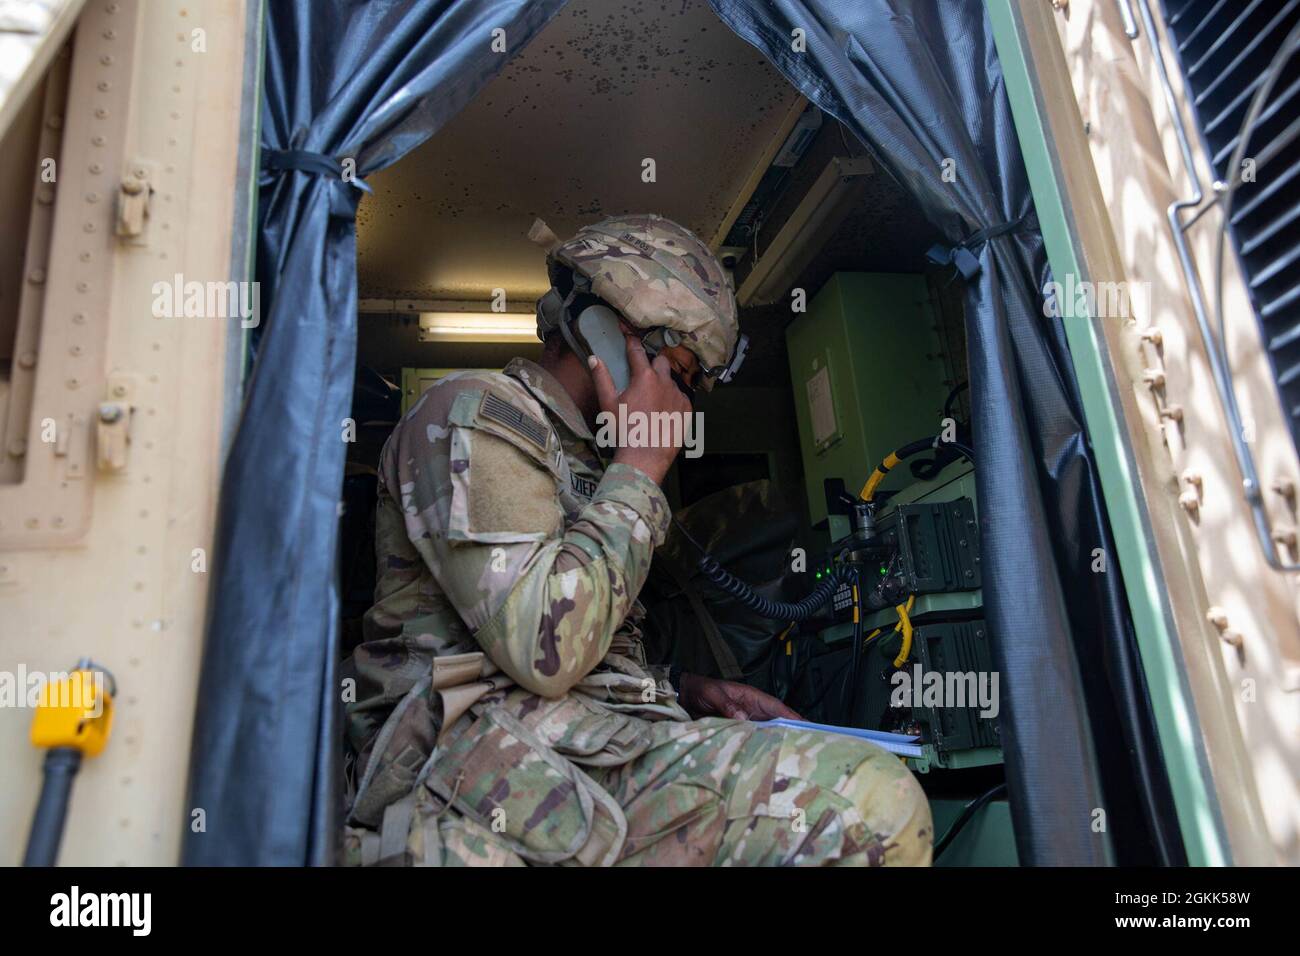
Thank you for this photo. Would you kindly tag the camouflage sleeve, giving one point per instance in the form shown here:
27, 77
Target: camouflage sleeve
542, 600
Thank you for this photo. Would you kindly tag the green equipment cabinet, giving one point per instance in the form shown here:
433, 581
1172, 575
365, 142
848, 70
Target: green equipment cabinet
416, 381
868, 373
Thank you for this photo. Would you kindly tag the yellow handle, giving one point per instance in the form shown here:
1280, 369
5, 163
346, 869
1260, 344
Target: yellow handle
905, 625
74, 712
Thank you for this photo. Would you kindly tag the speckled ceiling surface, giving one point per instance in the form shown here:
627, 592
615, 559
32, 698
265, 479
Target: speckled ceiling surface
561, 133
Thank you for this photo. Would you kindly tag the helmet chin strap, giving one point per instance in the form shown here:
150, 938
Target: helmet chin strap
579, 347
555, 313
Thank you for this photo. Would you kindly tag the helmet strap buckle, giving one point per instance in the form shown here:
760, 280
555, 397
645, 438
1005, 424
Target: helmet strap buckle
725, 373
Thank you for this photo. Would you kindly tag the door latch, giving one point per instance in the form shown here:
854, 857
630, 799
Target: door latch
112, 435
134, 194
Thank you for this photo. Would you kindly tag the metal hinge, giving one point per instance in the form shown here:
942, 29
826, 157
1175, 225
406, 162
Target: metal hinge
113, 427
134, 193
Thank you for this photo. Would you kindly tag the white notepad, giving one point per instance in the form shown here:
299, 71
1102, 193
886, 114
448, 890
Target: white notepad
905, 745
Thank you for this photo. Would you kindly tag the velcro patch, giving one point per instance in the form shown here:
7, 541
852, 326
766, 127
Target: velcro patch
497, 409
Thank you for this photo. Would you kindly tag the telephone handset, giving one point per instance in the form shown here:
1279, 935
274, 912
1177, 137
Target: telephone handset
599, 327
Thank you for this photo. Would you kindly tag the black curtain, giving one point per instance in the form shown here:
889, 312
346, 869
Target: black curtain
918, 82
351, 86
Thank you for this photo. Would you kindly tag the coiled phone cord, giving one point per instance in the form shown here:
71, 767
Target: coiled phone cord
724, 580
727, 582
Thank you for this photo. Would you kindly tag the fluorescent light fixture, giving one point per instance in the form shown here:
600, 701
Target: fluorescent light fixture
813, 222
478, 327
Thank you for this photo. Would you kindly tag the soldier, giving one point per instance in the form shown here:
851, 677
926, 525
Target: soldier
505, 710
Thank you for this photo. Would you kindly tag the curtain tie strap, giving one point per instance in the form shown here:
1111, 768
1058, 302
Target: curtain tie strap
962, 255
302, 160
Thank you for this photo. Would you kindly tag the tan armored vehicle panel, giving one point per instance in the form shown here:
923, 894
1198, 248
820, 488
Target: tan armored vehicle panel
1236, 615
125, 164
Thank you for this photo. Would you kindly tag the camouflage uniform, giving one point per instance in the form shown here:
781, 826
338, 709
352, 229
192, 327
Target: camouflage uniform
505, 712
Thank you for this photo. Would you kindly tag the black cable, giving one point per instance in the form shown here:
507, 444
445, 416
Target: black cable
689, 537
926, 470
916, 447
952, 396
965, 449
816, 702
727, 582
61, 766
849, 708
970, 810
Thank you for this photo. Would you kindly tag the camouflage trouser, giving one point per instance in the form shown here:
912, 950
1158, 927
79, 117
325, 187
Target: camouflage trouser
716, 792
719, 792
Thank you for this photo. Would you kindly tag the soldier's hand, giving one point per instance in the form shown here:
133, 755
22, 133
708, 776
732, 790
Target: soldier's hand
711, 697
650, 389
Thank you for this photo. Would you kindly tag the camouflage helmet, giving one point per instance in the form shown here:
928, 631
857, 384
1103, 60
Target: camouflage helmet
657, 274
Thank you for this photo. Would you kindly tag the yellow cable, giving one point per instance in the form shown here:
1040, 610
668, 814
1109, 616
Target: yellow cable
789, 645
877, 476
904, 624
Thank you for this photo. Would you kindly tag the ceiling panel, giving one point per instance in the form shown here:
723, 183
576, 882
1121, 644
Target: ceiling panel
561, 133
